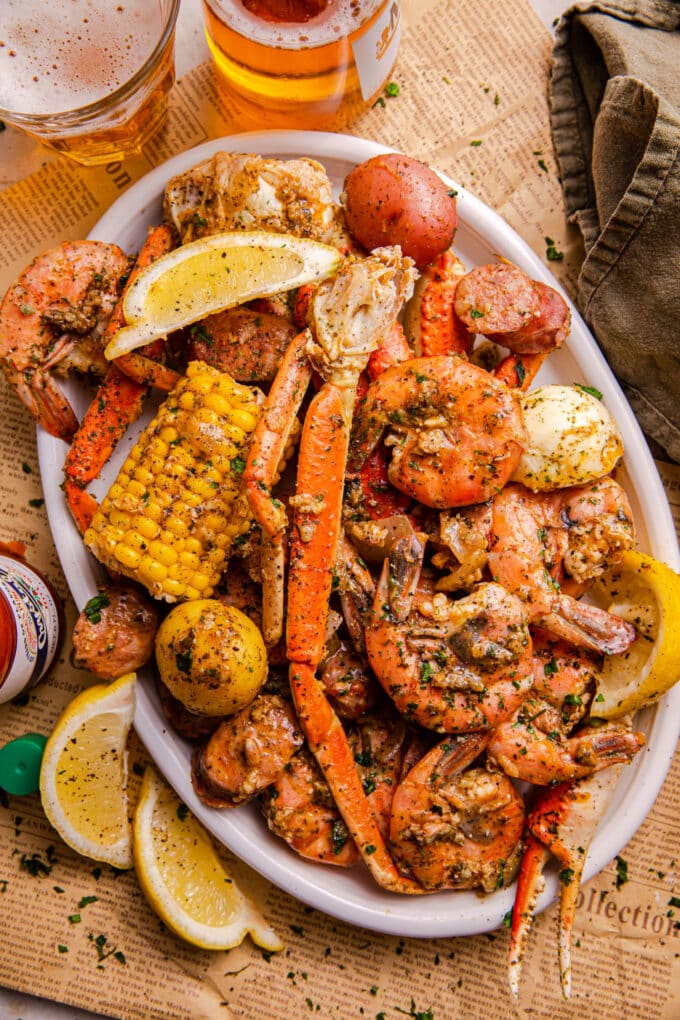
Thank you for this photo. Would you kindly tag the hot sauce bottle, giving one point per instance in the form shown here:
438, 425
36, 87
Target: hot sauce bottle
31, 623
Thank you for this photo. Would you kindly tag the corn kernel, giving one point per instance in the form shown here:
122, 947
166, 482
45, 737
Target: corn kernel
143, 475
192, 593
242, 419
165, 554
212, 475
186, 400
134, 540
200, 487
119, 519
201, 384
126, 557
176, 525
168, 434
153, 510
219, 404
146, 527
192, 499
151, 571
158, 448
201, 580
136, 488
193, 546
173, 588
206, 416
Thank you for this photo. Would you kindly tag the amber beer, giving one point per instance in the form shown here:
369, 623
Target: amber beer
303, 63
87, 77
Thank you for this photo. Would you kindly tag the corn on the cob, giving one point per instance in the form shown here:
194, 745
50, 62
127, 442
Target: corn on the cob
172, 515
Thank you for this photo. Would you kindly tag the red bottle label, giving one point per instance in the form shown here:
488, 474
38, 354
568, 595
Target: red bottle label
36, 619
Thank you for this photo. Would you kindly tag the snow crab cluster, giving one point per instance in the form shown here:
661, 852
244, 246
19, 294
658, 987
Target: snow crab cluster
427, 640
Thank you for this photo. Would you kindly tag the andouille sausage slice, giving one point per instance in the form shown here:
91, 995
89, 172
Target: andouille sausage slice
115, 632
504, 304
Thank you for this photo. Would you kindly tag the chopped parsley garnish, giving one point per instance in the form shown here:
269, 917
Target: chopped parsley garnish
621, 872
590, 389
551, 252
93, 608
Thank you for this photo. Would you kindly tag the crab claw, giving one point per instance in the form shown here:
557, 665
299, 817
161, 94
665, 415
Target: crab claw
562, 823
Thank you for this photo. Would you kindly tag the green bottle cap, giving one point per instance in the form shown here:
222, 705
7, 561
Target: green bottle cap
20, 764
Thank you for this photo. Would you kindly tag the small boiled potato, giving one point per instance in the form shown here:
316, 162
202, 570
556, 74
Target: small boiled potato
211, 657
573, 439
395, 199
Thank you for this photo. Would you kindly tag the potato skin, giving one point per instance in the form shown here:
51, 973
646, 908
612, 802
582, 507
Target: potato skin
211, 657
395, 199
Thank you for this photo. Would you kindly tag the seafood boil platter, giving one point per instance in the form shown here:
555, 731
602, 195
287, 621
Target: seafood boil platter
350, 894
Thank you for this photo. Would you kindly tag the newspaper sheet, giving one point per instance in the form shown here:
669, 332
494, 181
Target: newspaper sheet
81, 933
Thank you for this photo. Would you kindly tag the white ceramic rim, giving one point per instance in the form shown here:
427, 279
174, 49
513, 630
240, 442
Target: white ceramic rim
351, 895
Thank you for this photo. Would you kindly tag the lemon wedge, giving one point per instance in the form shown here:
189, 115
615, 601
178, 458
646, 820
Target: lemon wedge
645, 592
184, 880
83, 775
214, 273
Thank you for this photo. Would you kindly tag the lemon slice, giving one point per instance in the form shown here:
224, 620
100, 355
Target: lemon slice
83, 775
214, 273
645, 592
184, 880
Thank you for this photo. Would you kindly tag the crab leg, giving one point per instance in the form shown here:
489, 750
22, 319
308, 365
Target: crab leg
141, 366
117, 403
520, 370
316, 533
267, 452
431, 320
562, 823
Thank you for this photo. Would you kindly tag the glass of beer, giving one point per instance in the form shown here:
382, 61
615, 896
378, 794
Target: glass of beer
89, 78
302, 63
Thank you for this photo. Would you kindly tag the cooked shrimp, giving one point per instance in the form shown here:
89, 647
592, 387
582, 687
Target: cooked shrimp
531, 746
238, 191
538, 537
247, 752
454, 824
115, 632
300, 808
453, 665
539, 743
379, 741
456, 434
55, 315
348, 682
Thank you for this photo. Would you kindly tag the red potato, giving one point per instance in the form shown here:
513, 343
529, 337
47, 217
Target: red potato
394, 199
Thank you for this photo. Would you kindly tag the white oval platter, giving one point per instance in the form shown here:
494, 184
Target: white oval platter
352, 895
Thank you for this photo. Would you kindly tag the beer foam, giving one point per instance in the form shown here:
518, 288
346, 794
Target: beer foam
338, 20
63, 55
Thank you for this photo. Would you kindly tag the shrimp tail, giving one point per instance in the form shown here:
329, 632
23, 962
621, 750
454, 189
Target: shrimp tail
530, 884
45, 400
601, 748
589, 626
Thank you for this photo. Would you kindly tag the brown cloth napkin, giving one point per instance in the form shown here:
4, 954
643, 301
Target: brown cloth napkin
615, 111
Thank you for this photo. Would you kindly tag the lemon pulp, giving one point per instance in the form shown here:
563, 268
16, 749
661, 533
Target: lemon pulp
183, 878
645, 592
83, 775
